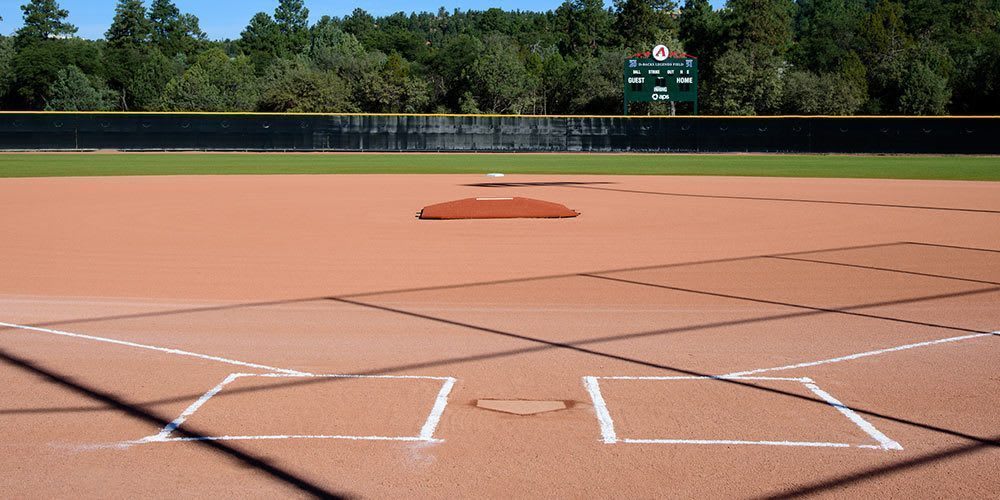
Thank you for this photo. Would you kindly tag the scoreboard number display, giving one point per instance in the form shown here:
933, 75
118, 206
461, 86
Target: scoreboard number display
661, 76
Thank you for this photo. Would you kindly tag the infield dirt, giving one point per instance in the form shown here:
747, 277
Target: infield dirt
659, 277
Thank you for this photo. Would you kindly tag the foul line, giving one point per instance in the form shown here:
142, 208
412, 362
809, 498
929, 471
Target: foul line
155, 348
860, 355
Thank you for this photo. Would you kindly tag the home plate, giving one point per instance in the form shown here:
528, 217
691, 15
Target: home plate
520, 406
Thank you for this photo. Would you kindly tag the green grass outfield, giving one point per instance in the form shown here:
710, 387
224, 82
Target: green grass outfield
982, 168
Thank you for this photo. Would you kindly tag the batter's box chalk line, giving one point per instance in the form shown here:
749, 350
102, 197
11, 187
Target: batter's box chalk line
610, 436
426, 435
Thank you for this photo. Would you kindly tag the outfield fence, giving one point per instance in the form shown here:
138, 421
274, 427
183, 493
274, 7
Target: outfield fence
491, 133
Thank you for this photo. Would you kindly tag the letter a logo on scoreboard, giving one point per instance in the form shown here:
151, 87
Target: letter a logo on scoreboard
661, 53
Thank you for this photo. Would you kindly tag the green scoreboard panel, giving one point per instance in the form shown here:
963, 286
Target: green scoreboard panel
674, 79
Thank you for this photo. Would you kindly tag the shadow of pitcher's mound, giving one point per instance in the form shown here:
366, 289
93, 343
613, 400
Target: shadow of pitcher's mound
497, 208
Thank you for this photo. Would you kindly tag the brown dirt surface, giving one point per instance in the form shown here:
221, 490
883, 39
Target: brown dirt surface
514, 207
128, 304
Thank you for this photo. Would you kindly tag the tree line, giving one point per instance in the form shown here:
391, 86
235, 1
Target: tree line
839, 57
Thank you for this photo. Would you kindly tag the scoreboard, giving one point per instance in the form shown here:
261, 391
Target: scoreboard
660, 76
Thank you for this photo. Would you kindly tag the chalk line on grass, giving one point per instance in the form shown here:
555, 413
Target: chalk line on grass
167, 350
861, 354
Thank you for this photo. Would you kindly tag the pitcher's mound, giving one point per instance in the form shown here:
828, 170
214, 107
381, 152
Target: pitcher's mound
497, 208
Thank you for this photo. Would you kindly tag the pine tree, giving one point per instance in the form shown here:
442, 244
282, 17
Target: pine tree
642, 23
292, 20
130, 28
43, 19
260, 40
173, 32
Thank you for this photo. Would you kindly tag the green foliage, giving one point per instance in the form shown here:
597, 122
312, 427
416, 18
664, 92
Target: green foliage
296, 87
641, 23
6, 61
701, 30
745, 86
261, 41
826, 32
393, 89
174, 32
824, 94
291, 18
215, 82
584, 26
924, 92
452, 66
501, 81
150, 79
130, 28
761, 28
754, 57
603, 91
36, 66
43, 19
73, 90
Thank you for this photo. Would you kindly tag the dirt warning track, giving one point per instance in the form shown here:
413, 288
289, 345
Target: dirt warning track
307, 336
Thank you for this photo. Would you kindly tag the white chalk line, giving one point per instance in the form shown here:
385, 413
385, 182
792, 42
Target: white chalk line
601, 408
609, 436
708, 377
887, 444
278, 437
426, 431
861, 355
167, 350
741, 442
440, 402
315, 375
172, 426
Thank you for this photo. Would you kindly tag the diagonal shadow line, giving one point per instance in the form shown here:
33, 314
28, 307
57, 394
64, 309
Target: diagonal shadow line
288, 478
71, 409
838, 482
226, 307
940, 245
547, 344
610, 338
542, 345
733, 197
846, 310
886, 269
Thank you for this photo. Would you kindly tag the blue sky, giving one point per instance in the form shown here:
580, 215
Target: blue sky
227, 18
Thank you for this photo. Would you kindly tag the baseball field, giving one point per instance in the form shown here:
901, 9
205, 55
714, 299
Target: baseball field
748, 326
